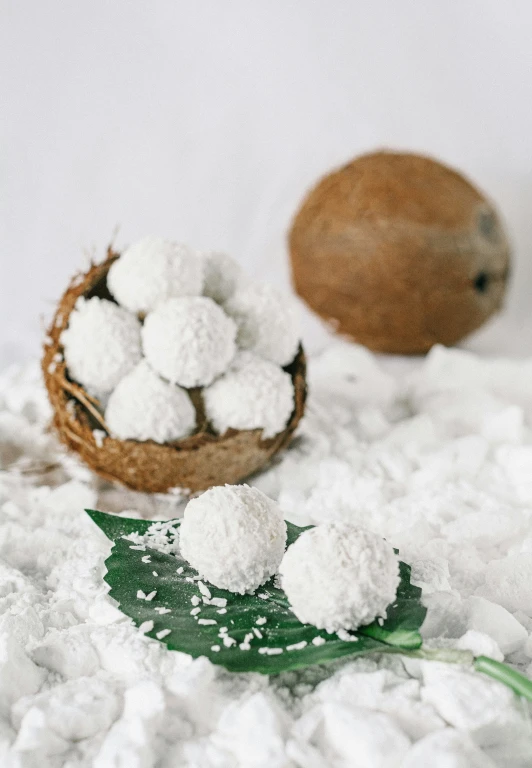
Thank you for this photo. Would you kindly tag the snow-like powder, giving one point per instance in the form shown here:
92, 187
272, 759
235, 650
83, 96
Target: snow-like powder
437, 461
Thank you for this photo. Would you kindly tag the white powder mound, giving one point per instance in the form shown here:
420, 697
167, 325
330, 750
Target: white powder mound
101, 344
338, 576
234, 536
267, 321
252, 394
144, 407
189, 341
222, 275
152, 270
439, 462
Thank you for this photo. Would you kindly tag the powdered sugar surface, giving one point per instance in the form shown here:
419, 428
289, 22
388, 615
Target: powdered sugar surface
437, 462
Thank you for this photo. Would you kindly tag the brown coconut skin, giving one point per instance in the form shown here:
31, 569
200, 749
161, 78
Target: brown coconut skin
399, 252
192, 464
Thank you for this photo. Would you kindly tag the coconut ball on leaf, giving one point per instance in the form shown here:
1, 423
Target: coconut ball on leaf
338, 576
234, 536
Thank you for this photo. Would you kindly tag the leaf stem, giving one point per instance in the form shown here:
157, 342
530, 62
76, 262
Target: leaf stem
504, 674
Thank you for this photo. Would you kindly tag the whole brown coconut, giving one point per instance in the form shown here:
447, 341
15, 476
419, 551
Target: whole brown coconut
194, 463
399, 253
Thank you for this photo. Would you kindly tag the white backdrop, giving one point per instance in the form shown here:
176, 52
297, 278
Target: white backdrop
206, 121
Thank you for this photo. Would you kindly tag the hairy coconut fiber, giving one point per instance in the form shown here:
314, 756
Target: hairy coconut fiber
193, 463
399, 253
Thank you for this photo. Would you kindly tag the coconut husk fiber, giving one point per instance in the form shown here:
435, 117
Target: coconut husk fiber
194, 463
399, 252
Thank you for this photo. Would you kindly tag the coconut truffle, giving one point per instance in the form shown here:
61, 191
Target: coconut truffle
189, 341
338, 576
267, 322
253, 394
234, 536
152, 270
144, 407
222, 275
399, 252
101, 344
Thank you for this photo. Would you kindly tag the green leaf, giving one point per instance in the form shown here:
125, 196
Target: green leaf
268, 653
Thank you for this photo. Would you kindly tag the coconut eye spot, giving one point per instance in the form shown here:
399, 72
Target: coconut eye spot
481, 282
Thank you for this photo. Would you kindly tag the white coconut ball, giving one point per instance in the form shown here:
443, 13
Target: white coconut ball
222, 274
234, 536
267, 321
338, 576
152, 270
189, 341
144, 407
101, 344
254, 393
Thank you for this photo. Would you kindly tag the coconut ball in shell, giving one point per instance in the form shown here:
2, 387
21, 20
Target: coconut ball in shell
267, 321
192, 463
190, 341
152, 270
253, 394
234, 536
144, 407
399, 252
339, 576
222, 275
101, 344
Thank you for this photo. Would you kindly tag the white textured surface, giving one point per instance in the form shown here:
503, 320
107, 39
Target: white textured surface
144, 407
338, 576
409, 453
101, 344
253, 393
234, 536
190, 341
152, 270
